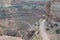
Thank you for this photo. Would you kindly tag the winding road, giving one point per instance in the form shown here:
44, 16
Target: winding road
42, 29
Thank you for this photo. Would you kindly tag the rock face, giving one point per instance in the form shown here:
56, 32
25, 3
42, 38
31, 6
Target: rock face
11, 33
9, 38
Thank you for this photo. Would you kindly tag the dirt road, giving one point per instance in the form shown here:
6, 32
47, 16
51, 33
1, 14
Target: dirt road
42, 28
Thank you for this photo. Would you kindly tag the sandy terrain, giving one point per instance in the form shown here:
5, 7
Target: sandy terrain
9, 38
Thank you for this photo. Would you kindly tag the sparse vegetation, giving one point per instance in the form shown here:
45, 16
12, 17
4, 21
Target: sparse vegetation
58, 31
1, 31
2, 26
56, 25
35, 37
47, 29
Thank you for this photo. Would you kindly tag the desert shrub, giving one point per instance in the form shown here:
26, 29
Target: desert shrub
58, 31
